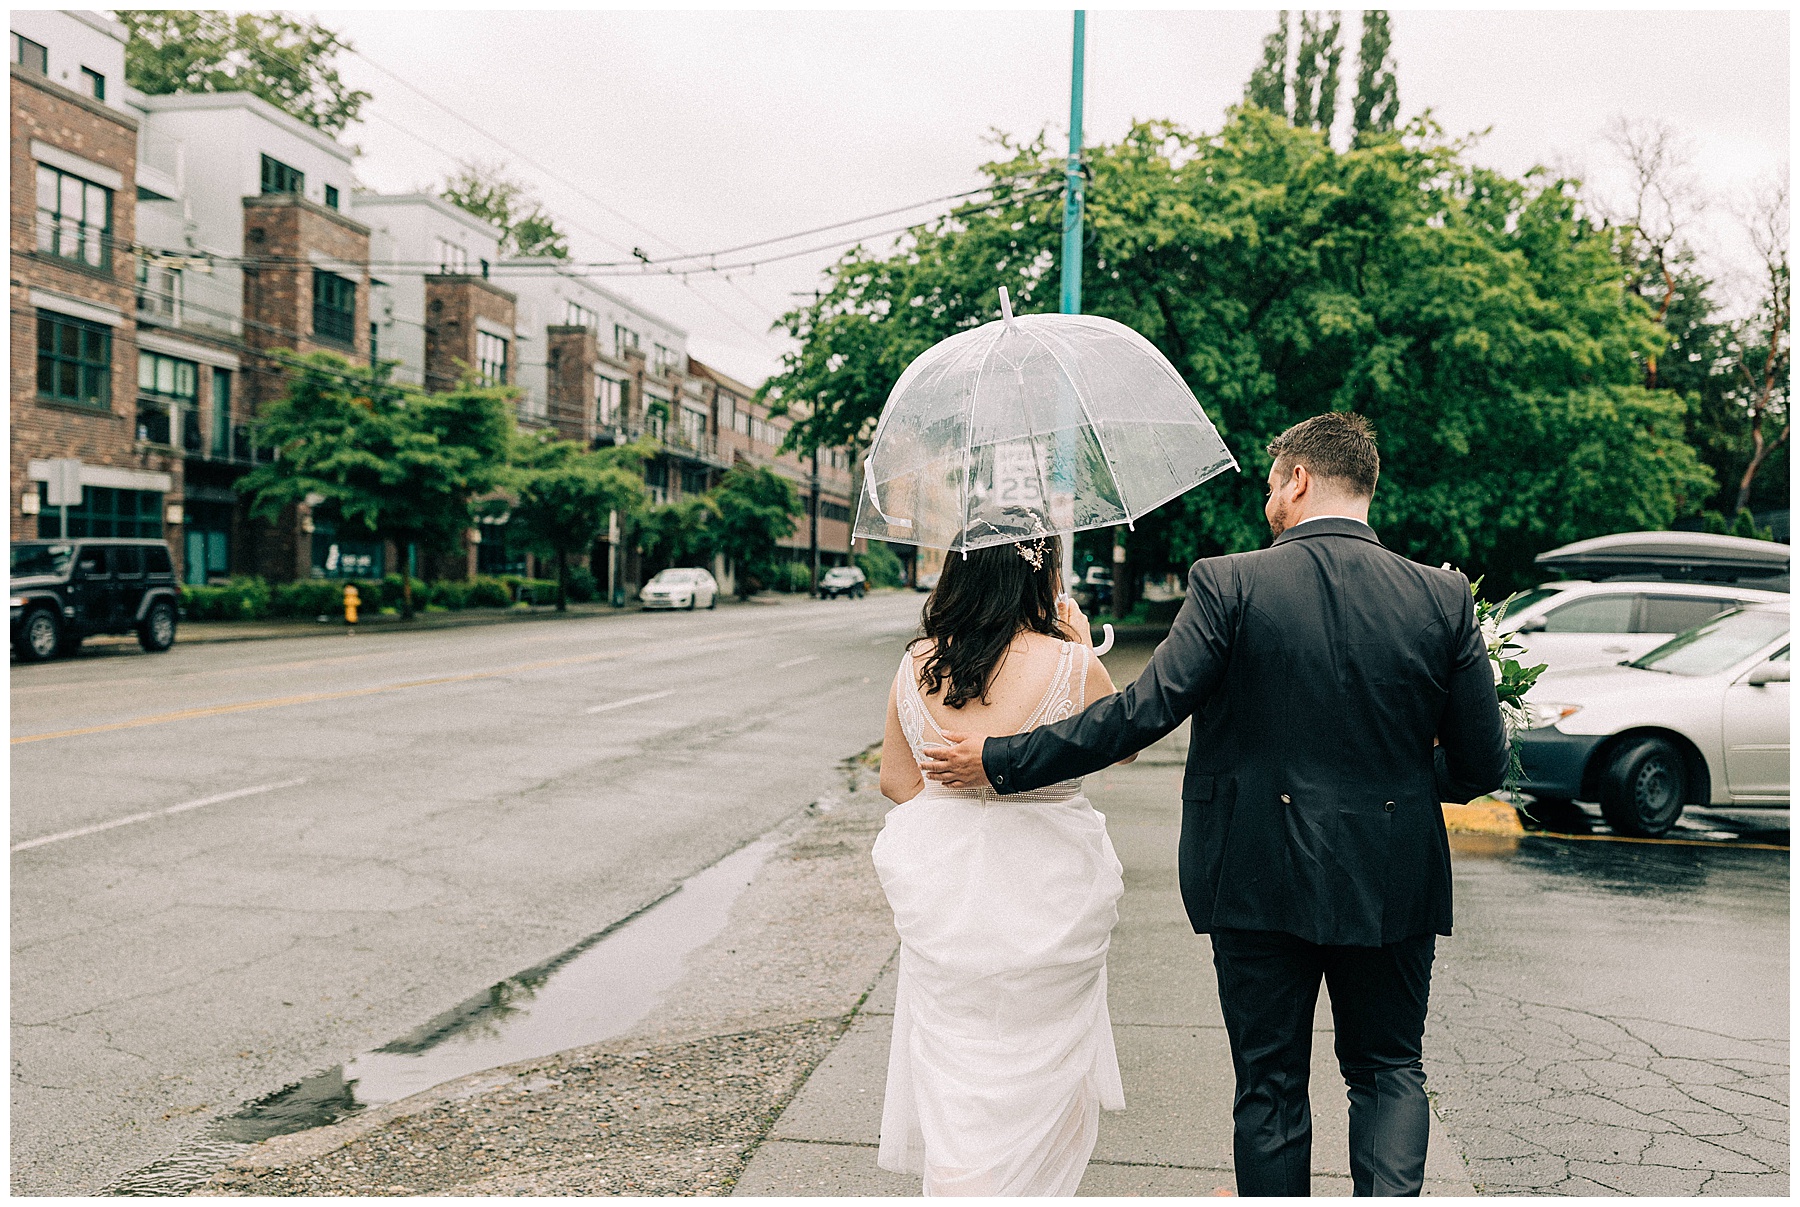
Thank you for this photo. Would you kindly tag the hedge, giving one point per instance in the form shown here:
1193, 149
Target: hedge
250, 598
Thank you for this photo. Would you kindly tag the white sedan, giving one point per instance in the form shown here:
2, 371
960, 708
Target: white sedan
680, 587
1571, 624
1700, 720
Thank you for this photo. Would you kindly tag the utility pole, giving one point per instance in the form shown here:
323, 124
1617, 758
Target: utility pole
815, 521
1073, 181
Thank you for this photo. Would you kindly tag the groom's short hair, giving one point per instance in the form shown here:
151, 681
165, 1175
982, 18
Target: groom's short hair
1337, 444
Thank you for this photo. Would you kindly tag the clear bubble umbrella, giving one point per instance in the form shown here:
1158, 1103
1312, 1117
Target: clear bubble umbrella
1032, 425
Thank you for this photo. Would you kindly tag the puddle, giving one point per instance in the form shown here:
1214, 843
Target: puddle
595, 990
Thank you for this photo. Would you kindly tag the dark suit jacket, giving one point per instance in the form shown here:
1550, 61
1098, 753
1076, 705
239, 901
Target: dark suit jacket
1317, 672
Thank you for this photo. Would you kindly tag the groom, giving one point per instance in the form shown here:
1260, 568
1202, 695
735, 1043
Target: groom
1318, 673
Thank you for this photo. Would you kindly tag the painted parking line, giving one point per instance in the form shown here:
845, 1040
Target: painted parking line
804, 658
151, 814
217, 710
628, 701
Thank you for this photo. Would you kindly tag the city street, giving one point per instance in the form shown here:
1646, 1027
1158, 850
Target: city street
377, 828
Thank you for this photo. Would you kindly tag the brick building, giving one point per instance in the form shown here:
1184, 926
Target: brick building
74, 341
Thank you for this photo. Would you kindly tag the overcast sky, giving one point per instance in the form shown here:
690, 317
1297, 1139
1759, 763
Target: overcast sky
707, 129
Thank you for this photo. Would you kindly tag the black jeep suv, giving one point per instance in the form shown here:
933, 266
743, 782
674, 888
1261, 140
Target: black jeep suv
63, 591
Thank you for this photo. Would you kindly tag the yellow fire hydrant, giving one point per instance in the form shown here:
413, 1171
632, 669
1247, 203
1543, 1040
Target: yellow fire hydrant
352, 601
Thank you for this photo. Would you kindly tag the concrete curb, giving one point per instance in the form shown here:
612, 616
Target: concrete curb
1483, 816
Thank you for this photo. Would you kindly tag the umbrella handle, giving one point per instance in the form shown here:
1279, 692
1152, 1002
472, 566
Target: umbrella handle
1107, 643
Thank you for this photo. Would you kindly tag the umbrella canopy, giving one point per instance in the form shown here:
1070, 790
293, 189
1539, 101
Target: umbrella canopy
1031, 425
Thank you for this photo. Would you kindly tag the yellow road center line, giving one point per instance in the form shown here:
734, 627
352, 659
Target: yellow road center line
308, 698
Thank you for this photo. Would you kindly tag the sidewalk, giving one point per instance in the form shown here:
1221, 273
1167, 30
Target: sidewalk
762, 1071
1174, 1137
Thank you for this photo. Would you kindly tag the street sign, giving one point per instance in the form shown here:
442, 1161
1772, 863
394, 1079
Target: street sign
64, 487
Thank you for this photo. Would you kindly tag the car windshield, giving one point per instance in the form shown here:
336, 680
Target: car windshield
28, 560
673, 577
840, 573
1527, 599
1718, 644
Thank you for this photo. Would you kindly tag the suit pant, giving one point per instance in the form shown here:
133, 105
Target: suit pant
1268, 988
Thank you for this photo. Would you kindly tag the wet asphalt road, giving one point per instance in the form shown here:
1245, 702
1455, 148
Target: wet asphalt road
381, 826
1612, 1017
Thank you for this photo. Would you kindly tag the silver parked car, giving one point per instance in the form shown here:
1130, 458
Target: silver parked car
1700, 720
1635, 590
680, 587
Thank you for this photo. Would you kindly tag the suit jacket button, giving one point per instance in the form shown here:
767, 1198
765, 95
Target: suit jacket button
1286, 799
1389, 807
999, 779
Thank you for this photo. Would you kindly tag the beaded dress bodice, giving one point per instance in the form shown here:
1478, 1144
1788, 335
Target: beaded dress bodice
1064, 697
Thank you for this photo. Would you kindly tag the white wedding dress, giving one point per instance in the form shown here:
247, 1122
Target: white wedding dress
1003, 1048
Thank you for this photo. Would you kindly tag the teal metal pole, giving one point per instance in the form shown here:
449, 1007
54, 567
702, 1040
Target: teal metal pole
1073, 180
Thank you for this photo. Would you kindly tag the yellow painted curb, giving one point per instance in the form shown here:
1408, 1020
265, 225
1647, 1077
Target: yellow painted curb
1484, 815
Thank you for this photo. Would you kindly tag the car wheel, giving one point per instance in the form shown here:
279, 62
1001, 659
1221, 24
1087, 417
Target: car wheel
693, 601
712, 601
1641, 790
40, 636
157, 631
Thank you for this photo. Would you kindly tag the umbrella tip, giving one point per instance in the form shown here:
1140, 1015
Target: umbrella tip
1005, 305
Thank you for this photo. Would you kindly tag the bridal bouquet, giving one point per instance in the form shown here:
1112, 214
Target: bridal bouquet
1511, 681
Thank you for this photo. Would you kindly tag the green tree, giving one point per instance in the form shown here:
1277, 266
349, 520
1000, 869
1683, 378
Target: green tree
404, 464
1268, 83
1316, 71
1480, 321
683, 533
289, 61
1377, 90
486, 191
756, 509
564, 495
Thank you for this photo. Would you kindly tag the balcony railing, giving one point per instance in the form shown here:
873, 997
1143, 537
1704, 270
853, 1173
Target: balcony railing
702, 447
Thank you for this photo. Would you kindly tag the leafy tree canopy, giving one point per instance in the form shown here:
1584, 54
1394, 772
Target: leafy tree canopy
756, 508
1377, 106
402, 463
486, 191
287, 60
1480, 321
565, 493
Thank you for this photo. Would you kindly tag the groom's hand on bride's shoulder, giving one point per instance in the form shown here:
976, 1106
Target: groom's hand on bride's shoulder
958, 765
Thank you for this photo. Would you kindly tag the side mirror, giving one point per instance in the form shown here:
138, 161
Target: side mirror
1537, 624
1767, 673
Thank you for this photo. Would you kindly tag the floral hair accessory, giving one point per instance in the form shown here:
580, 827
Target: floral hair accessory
1033, 552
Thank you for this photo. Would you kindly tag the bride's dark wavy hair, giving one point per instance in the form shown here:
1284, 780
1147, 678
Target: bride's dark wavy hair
981, 602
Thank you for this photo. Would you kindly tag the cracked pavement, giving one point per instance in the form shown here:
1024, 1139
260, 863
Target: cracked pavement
1612, 1019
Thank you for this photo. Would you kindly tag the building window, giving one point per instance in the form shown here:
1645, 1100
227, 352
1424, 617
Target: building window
221, 413
334, 307
74, 360
664, 360
693, 480
96, 83
74, 218
30, 55
167, 388
607, 399
581, 316
331, 196
693, 427
624, 339
158, 291
106, 511
452, 258
490, 358
277, 177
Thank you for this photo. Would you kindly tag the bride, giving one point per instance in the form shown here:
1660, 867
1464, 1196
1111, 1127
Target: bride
1003, 1050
